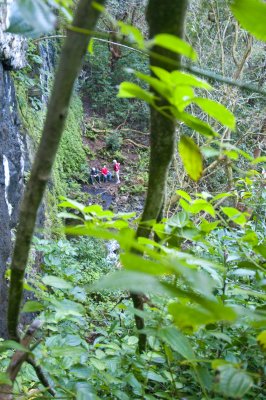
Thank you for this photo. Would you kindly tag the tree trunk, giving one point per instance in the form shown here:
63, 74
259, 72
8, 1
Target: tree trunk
163, 17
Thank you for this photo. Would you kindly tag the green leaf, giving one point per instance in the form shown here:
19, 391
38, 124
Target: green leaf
132, 340
65, 308
175, 44
12, 345
130, 280
54, 281
31, 18
202, 205
134, 383
181, 78
234, 382
91, 46
209, 151
207, 226
252, 16
221, 196
152, 376
68, 351
130, 90
133, 33
235, 215
67, 203
85, 391
194, 316
73, 340
184, 194
97, 6
261, 249
221, 336
156, 84
191, 157
196, 124
261, 338
182, 97
136, 263
217, 111
180, 219
232, 154
4, 379
98, 364
177, 341
259, 160
32, 306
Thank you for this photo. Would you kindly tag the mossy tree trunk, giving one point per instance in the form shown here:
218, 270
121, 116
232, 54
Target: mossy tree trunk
166, 16
70, 62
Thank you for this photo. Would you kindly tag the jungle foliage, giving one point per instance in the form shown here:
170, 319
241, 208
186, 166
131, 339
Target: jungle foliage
198, 271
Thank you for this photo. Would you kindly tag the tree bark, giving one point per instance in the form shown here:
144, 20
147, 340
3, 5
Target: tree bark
73, 52
166, 16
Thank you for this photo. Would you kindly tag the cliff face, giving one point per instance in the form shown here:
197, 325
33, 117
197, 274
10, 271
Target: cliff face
12, 150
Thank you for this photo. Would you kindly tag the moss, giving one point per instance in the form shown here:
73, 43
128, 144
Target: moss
71, 157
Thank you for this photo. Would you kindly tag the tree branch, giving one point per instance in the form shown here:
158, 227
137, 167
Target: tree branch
73, 52
17, 360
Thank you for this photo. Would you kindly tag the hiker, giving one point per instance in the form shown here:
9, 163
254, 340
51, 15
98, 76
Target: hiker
116, 167
106, 175
94, 176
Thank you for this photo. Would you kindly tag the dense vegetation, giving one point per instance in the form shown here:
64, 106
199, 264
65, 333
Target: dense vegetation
169, 304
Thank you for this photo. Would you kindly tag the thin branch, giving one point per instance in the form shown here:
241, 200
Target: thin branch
41, 376
17, 360
206, 73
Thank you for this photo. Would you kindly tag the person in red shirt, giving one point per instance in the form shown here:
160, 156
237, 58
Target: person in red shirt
116, 166
106, 175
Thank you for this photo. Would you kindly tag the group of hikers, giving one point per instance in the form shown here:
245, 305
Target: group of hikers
104, 175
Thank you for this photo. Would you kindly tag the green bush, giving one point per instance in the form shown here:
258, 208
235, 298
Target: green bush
114, 141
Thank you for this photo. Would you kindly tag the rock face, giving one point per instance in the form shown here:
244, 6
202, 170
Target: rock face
12, 47
12, 151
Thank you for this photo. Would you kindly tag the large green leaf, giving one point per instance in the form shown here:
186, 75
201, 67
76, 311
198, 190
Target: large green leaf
261, 338
54, 281
65, 308
252, 16
194, 316
153, 376
177, 341
32, 306
196, 124
68, 351
182, 96
234, 382
160, 87
217, 111
130, 280
85, 391
136, 263
181, 78
191, 157
131, 90
235, 215
12, 345
175, 44
31, 18
202, 205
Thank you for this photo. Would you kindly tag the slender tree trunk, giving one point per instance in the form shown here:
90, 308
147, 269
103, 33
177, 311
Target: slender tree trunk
72, 55
166, 16
73, 52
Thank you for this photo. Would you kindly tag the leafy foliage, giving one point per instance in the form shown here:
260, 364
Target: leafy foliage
203, 277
